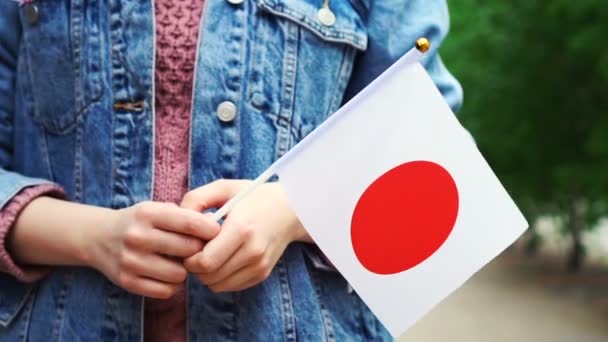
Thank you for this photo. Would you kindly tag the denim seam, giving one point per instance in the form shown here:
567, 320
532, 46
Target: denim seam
95, 43
286, 302
28, 312
121, 153
242, 91
334, 35
256, 63
44, 151
290, 63
58, 326
134, 81
230, 145
234, 332
29, 66
117, 45
68, 128
328, 325
112, 298
343, 77
360, 322
76, 36
116, 75
112, 162
78, 162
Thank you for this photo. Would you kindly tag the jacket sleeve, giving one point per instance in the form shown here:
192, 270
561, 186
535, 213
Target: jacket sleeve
13, 292
11, 183
393, 26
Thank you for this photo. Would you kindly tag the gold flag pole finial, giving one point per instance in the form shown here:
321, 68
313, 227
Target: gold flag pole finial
423, 45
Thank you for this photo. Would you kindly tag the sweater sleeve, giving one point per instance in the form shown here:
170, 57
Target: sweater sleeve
8, 216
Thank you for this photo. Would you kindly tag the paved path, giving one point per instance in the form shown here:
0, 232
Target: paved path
512, 300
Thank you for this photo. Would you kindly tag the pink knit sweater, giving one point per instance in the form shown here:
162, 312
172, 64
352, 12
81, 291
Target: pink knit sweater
177, 23
8, 216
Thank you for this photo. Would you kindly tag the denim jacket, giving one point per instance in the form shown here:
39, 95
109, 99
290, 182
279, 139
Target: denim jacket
77, 109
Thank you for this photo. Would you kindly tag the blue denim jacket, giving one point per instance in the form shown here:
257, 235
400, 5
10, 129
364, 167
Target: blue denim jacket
77, 109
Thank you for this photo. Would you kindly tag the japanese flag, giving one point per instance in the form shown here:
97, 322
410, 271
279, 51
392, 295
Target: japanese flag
396, 194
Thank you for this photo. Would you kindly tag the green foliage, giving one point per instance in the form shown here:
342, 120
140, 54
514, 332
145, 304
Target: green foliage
535, 76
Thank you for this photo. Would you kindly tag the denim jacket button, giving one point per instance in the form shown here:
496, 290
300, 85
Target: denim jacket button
31, 13
226, 111
326, 16
236, 2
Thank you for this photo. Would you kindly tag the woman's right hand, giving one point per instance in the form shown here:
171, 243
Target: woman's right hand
142, 248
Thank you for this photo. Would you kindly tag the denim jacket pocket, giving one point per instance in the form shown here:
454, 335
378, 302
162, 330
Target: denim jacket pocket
301, 62
63, 56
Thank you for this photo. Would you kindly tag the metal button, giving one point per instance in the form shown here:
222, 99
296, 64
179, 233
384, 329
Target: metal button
226, 111
326, 16
236, 2
31, 13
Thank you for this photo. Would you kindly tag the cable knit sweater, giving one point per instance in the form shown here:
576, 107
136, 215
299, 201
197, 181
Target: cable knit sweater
177, 23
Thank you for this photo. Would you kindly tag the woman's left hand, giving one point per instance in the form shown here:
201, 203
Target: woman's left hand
252, 238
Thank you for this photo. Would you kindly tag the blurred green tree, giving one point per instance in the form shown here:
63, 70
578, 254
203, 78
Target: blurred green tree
535, 75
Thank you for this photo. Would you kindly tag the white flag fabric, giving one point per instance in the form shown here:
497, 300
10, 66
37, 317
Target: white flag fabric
396, 194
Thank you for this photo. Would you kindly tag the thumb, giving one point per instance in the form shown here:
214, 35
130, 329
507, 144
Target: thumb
212, 195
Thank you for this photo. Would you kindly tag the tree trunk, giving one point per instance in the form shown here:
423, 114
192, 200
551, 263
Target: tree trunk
532, 244
575, 257
576, 224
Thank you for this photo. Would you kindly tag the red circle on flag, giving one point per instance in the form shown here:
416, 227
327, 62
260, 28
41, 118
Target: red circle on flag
404, 217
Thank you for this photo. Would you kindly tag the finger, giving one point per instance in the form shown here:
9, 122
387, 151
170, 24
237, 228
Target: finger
218, 250
154, 267
170, 217
147, 287
242, 279
240, 259
212, 195
164, 242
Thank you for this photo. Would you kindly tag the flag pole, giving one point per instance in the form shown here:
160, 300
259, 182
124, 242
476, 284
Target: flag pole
423, 45
414, 55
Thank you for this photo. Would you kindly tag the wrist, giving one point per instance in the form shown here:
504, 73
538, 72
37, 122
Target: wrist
86, 242
299, 232
55, 232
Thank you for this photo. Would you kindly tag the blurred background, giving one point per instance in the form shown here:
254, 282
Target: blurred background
535, 76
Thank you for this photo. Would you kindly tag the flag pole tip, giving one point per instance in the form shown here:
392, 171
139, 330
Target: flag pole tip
423, 45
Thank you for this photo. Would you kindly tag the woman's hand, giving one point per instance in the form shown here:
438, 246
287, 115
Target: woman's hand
252, 238
142, 250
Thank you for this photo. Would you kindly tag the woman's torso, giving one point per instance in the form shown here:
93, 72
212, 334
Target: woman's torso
268, 72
